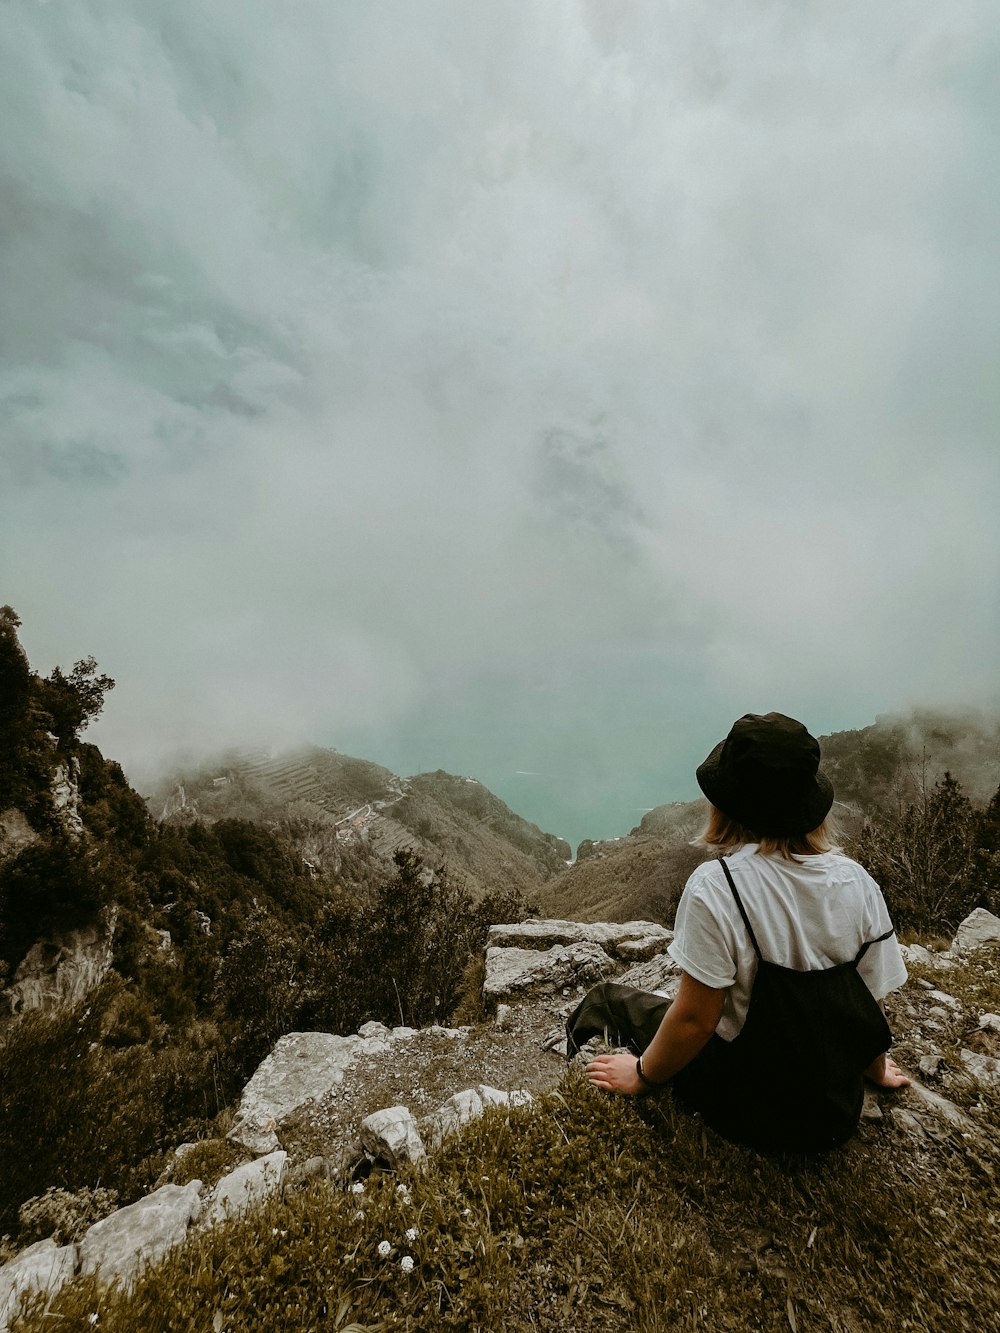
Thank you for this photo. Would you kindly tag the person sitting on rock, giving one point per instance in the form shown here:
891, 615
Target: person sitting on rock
785, 948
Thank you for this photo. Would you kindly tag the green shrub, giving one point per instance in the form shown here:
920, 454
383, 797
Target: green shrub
208, 1161
924, 856
45, 890
75, 1112
63, 1214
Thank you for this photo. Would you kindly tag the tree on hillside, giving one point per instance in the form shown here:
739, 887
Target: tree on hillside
15, 698
987, 868
416, 932
73, 701
923, 855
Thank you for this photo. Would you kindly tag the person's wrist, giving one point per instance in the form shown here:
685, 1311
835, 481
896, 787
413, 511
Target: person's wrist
644, 1077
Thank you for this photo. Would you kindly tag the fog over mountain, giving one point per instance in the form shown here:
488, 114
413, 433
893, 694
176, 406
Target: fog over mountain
520, 390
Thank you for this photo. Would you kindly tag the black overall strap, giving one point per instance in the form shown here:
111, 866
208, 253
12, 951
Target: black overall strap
868, 944
743, 910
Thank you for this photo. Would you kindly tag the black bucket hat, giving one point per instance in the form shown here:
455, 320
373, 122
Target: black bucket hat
765, 775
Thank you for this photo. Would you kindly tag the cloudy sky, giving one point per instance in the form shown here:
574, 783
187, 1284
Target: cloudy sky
525, 390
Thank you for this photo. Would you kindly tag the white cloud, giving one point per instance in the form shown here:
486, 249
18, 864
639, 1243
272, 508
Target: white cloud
358, 359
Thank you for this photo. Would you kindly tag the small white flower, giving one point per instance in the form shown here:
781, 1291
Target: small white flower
359, 1216
411, 1234
401, 1189
406, 1264
384, 1249
358, 1187
274, 1231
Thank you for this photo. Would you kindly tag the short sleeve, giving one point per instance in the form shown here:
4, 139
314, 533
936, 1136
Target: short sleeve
882, 968
700, 944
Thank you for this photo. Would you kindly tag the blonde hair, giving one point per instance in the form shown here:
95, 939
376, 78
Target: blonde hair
722, 834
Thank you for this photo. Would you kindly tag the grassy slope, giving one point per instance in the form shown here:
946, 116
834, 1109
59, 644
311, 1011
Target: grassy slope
638, 878
587, 1212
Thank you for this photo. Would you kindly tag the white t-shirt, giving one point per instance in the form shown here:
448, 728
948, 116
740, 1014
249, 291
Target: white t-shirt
813, 912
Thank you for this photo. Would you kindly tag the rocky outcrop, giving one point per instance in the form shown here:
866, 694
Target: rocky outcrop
16, 834
118, 1247
535, 958
247, 1187
630, 940
61, 971
66, 795
979, 927
303, 1067
525, 972
43, 1267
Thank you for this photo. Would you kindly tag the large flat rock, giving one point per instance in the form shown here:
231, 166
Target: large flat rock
521, 972
660, 974
628, 940
302, 1067
979, 927
42, 1267
247, 1186
118, 1247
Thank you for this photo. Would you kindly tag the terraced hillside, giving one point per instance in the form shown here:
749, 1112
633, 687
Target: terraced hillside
449, 820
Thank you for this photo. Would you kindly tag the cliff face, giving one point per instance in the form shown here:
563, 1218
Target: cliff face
64, 967
65, 790
61, 970
16, 834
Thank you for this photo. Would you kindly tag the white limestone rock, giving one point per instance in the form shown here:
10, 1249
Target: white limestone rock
979, 927
642, 949
516, 972
916, 953
42, 1267
464, 1107
436, 1030
659, 974
943, 998
448, 1119
374, 1029
628, 940
496, 1097
302, 1067
983, 1068
989, 1023
66, 796
247, 1186
391, 1136
62, 970
118, 1247
16, 834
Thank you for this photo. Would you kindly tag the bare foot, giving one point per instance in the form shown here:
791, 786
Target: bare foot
891, 1076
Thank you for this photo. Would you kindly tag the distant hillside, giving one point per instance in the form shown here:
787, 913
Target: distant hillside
343, 810
885, 764
627, 879
896, 754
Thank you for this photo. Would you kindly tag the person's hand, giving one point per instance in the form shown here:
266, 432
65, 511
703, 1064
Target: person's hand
616, 1073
